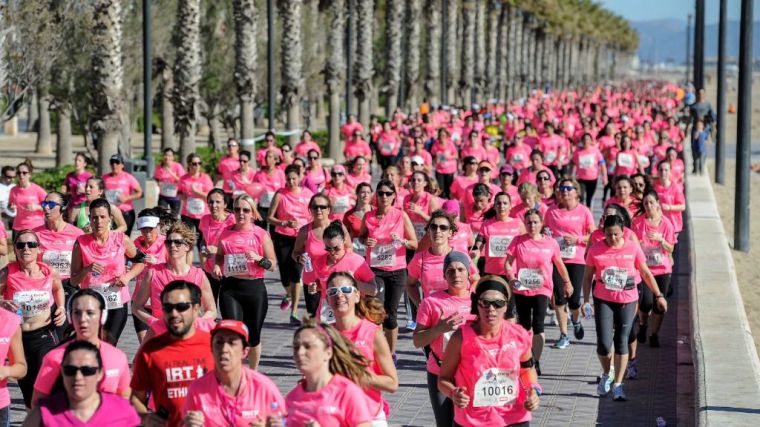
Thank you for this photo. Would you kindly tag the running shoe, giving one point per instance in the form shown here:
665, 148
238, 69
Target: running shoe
603, 388
552, 318
562, 342
642, 335
294, 321
411, 325
618, 394
632, 371
285, 303
578, 331
654, 341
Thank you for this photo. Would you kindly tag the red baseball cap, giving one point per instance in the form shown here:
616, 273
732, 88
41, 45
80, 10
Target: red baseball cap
235, 326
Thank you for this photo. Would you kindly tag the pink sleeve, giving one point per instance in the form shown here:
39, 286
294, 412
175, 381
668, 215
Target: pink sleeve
512, 248
424, 313
48, 375
12, 197
356, 407
133, 184
364, 273
125, 377
413, 269
3, 231
192, 402
640, 257
41, 193
670, 234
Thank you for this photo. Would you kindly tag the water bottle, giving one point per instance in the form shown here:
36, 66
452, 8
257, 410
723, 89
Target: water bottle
307, 267
661, 422
587, 313
276, 411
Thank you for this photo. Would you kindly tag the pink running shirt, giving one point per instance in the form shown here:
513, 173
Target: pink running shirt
56, 247
9, 324
576, 222
436, 306
533, 264
116, 373
498, 235
23, 197
122, 184
340, 403
616, 271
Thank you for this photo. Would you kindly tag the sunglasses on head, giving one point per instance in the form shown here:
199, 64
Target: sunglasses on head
385, 193
442, 227
30, 245
47, 204
176, 242
495, 303
71, 370
346, 290
181, 307
320, 207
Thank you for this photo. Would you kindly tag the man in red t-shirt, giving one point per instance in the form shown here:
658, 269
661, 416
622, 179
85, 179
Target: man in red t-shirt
166, 365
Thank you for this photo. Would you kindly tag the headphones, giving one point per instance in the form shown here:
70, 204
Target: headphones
89, 292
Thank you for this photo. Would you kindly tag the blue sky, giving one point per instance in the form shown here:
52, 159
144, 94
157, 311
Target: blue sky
642, 10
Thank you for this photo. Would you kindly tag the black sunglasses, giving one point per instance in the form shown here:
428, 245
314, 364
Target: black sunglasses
87, 371
181, 307
385, 193
115, 162
177, 242
320, 207
495, 303
543, 178
30, 245
196, 163
484, 170
442, 227
332, 249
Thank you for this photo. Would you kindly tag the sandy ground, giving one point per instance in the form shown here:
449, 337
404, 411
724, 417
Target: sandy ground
747, 265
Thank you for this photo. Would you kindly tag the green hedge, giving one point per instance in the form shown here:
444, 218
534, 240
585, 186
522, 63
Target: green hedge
52, 179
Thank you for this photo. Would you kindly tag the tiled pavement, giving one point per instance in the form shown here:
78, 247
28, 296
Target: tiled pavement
569, 379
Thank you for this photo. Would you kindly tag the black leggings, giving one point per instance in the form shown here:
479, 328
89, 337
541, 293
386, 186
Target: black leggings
609, 316
290, 270
588, 188
129, 218
531, 312
575, 271
139, 325
312, 302
246, 300
646, 297
444, 182
391, 286
216, 286
443, 407
37, 344
117, 320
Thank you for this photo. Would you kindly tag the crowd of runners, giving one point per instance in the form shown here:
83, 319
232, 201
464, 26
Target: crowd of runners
480, 221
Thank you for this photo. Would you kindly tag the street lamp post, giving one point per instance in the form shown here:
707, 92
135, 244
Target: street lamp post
699, 45
720, 140
147, 93
270, 64
688, 48
743, 131
349, 63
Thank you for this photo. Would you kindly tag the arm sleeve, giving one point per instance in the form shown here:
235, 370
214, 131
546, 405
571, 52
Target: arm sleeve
124, 378
364, 273
48, 375
413, 269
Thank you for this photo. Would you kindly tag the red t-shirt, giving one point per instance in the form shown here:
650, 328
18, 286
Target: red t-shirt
166, 367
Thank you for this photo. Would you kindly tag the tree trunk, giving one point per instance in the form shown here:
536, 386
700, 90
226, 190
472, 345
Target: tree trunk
502, 63
490, 78
364, 66
167, 110
334, 68
467, 74
32, 112
292, 65
244, 14
454, 23
433, 51
44, 143
479, 78
215, 139
187, 73
412, 59
394, 12
63, 152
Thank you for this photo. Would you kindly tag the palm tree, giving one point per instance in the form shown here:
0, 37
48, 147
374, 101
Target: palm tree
479, 82
467, 72
245, 62
450, 44
166, 109
433, 50
412, 59
394, 12
363, 65
490, 78
107, 81
334, 68
187, 73
292, 63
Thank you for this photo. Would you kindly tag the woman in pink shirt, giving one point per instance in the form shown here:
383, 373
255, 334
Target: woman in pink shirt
328, 394
271, 179
393, 173
624, 195
121, 189
308, 246
588, 165
358, 171
315, 176
270, 142
658, 238
25, 199
335, 256
518, 154
388, 145
352, 220
340, 193
75, 182
476, 206
83, 404
358, 321
671, 196
95, 189
87, 312
211, 227
245, 251
445, 155
570, 223
98, 261
496, 233
357, 147
57, 237
545, 188
229, 163
613, 265
306, 144
466, 179
194, 187
529, 199
533, 255
11, 349
627, 159
488, 381
32, 291
239, 181
388, 232
536, 166
168, 174
419, 204
474, 147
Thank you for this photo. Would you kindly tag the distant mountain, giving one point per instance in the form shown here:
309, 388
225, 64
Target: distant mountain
665, 40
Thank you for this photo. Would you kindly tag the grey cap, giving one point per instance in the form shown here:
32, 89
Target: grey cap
455, 256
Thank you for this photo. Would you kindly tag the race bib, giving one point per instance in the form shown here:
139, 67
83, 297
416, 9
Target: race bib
326, 314
497, 246
195, 206
387, 148
517, 159
266, 199
231, 184
235, 265
655, 256
382, 256
587, 161
111, 293
440, 157
113, 196
419, 230
359, 248
625, 160
566, 250
615, 278
550, 156
644, 160
32, 303
496, 387
60, 260
341, 204
530, 278
167, 189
